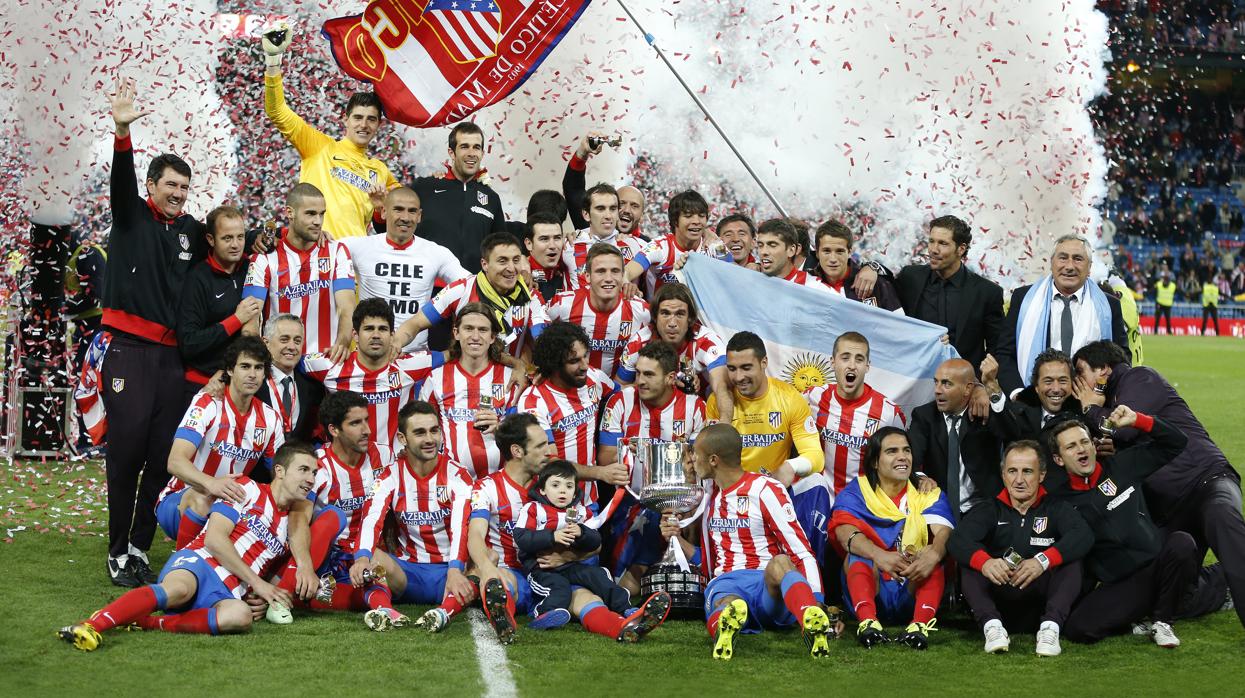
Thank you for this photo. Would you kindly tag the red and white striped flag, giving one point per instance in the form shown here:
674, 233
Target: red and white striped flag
433, 62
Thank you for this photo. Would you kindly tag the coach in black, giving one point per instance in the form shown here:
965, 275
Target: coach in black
151, 247
1198, 491
459, 209
1138, 571
946, 293
1021, 551
212, 310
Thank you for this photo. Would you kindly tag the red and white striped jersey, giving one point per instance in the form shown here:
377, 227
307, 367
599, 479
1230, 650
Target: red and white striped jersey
800, 277
456, 395
704, 352
386, 389
227, 441
303, 283
748, 524
609, 331
259, 535
657, 260
500, 499
627, 416
845, 427
349, 487
570, 420
576, 254
431, 512
540, 516
521, 324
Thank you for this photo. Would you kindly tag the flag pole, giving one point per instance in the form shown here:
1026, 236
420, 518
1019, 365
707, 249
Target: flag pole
653, 42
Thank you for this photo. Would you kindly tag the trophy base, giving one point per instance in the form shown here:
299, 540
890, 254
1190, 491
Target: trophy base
686, 589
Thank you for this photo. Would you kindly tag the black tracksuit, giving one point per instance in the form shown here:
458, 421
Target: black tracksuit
1133, 570
458, 216
552, 588
1050, 526
142, 385
1198, 491
206, 323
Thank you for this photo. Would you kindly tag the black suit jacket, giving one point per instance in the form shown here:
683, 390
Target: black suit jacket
1022, 419
1010, 376
979, 328
309, 394
980, 448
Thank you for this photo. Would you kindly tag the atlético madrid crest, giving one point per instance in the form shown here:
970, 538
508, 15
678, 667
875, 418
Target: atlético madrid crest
118, 384
1108, 487
1039, 524
741, 504
775, 419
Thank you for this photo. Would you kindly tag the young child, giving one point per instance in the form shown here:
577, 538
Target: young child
554, 520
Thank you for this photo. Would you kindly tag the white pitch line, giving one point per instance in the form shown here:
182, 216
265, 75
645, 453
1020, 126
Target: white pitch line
491, 656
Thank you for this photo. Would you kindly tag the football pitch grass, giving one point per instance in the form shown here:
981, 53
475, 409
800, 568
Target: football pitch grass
52, 574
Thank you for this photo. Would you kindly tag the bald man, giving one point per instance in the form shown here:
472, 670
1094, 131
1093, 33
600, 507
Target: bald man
399, 267
961, 456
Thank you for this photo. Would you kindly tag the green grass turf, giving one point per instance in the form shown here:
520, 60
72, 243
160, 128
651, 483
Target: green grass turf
53, 574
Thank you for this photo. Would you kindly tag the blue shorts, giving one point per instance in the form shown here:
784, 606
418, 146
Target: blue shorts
522, 594
336, 563
894, 601
636, 537
764, 611
168, 516
210, 590
812, 512
425, 582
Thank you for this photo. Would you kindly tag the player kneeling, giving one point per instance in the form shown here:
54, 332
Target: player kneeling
763, 574
201, 587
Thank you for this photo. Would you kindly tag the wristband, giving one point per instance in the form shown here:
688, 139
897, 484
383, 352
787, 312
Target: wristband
849, 541
1043, 561
272, 60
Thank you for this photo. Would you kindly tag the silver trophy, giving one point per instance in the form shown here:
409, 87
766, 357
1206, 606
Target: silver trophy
665, 490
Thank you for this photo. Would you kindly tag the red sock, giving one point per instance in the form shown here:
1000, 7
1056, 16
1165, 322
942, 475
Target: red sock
451, 605
345, 598
928, 596
378, 596
199, 620
797, 595
712, 624
324, 531
188, 529
862, 588
131, 606
602, 621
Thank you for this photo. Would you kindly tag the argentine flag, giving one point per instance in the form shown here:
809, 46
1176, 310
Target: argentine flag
799, 326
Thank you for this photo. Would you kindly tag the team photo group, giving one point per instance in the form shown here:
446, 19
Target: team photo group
401, 404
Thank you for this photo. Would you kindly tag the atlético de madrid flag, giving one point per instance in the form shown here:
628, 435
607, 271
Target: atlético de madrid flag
433, 62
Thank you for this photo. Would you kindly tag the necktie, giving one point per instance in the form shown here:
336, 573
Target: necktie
287, 398
1065, 325
953, 465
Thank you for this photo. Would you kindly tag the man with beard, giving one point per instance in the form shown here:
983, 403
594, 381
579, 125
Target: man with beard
566, 403
601, 310
701, 352
307, 275
399, 267
689, 216
601, 212
385, 383
777, 246
500, 286
212, 310
630, 200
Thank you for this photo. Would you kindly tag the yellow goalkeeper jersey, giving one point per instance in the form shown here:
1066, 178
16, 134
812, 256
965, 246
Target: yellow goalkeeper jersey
340, 169
770, 425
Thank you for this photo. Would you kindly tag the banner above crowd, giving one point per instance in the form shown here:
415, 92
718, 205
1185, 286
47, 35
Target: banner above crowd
435, 62
903, 352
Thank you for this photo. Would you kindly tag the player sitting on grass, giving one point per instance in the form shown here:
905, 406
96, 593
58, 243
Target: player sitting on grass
555, 519
201, 587
427, 496
762, 572
219, 439
884, 524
